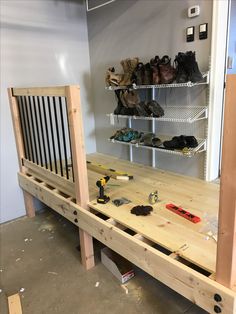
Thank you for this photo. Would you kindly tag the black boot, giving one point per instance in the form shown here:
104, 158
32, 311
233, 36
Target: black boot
120, 106
147, 74
156, 110
182, 75
191, 67
138, 74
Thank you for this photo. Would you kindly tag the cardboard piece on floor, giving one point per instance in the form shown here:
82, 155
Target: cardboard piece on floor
14, 304
118, 266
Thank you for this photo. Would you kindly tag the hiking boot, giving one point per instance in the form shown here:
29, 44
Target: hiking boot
128, 66
181, 73
167, 71
131, 98
155, 108
142, 109
191, 67
138, 74
147, 80
156, 79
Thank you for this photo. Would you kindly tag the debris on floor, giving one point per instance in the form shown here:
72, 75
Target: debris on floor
97, 284
22, 289
52, 273
18, 259
125, 288
46, 227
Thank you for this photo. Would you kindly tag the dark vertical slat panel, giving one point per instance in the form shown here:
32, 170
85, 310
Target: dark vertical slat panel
28, 131
37, 129
29, 127
46, 133
33, 130
69, 141
22, 123
52, 134
57, 133
42, 132
63, 137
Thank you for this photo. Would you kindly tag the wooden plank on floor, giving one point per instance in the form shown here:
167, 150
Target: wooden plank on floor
14, 304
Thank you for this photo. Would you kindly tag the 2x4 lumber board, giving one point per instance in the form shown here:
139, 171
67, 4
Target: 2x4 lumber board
40, 91
186, 281
61, 183
226, 249
76, 130
14, 304
29, 202
174, 237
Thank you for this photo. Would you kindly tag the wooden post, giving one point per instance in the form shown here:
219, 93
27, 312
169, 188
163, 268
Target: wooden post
226, 248
79, 167
29, 200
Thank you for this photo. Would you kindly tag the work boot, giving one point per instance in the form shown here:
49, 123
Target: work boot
156, 79
181, 73
191, 67
155, 109
131, 98
147, 80
167, 71
138, 74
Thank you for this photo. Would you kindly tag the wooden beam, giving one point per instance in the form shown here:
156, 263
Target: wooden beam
61, 183
29, 202
14, 304
226, 248
40, 91
79, 167
194, 286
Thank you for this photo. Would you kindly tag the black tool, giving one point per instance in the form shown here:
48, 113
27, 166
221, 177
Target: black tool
102, 198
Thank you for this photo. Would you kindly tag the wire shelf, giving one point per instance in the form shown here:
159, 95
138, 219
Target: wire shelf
185, 114
187, 84
190, 152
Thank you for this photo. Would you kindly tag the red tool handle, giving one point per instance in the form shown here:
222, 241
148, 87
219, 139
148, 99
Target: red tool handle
183, 213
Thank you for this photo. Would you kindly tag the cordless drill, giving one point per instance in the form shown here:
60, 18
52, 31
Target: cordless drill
102, 198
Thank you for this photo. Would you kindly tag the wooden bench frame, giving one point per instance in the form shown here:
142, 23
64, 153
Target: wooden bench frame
214, 294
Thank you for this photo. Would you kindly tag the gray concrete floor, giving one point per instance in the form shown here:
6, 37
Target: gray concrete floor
41, 256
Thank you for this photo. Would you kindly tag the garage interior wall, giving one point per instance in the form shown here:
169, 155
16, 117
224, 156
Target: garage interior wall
147, 28
43, 43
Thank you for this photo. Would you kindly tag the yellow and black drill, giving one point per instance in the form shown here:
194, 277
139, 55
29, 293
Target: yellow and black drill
102, 198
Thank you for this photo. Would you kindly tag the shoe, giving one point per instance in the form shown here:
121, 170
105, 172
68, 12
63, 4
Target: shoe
119, 103
131, 98
147, 139
138, 74
147, 80
191, 141
191, 67
128, 66
156, 142
112, 78
181, 74
177, 142
155, 109
167, 71
156, 79
142, 109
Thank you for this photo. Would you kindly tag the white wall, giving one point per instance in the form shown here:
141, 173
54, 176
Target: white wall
232, 36
146, 28
42, 43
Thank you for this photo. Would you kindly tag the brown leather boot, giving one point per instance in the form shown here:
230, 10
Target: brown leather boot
156, 79
112, 79
167, 71
128, 66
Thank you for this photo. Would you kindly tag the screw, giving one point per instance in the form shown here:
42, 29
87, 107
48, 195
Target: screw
76, 220
217, 298
217, 309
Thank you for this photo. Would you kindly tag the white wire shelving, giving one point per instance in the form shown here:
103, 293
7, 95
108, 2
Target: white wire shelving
187, 152
187, 84
184, 114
